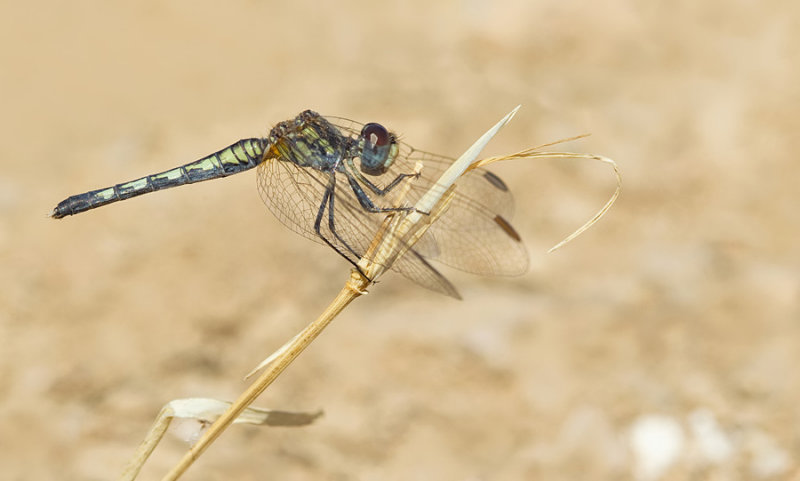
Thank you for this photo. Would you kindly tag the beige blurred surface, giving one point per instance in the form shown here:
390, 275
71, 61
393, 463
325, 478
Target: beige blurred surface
678, 315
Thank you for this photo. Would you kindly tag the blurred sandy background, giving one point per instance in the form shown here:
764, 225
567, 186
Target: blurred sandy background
662, 344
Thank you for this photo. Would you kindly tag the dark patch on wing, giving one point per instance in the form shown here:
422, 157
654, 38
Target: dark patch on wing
495, 181
507, 228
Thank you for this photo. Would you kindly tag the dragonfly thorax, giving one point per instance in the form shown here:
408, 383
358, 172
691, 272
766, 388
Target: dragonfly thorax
309, 141
378, 149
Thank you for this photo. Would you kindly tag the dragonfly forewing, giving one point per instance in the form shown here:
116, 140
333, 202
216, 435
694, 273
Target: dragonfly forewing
474, 234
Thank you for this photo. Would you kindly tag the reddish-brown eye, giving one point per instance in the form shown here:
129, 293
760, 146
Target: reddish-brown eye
376, 149
376, 135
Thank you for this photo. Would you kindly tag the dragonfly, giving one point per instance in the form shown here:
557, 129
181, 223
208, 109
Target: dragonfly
335, 181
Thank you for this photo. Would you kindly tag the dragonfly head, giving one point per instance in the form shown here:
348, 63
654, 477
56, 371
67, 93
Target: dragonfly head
378, 149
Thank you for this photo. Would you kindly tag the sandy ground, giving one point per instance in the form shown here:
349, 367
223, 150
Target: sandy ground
662, 344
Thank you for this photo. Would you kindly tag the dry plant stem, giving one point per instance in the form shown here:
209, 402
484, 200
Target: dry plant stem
354, 288
147, 446
532, 153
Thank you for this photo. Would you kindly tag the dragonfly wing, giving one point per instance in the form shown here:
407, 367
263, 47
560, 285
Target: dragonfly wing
294, 195
358, 227
414, 267
474, 234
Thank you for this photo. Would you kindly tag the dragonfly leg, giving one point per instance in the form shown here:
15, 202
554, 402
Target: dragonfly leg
351, 170
328, 203
374, 188
318, 221
332, 228
367, 203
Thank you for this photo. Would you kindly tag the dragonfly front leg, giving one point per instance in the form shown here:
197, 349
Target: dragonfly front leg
351, 170
374, 188
367, 203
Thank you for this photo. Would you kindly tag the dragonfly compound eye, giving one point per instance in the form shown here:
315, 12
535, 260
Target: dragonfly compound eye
378, 149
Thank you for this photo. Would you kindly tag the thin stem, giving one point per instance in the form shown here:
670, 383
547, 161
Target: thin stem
353, 289
147, 446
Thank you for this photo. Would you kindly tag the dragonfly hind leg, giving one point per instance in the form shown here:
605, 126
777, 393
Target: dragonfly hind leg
328, 203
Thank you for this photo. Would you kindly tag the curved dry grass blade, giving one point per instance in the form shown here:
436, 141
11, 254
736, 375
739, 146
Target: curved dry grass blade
605, 207
533, 153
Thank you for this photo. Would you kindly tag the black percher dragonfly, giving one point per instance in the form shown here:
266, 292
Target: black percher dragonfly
335, 181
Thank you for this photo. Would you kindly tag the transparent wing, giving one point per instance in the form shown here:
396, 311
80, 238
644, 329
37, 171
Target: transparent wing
295, 196
474, 234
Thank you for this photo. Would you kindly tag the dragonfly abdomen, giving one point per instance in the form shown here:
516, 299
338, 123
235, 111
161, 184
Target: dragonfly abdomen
243, 155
